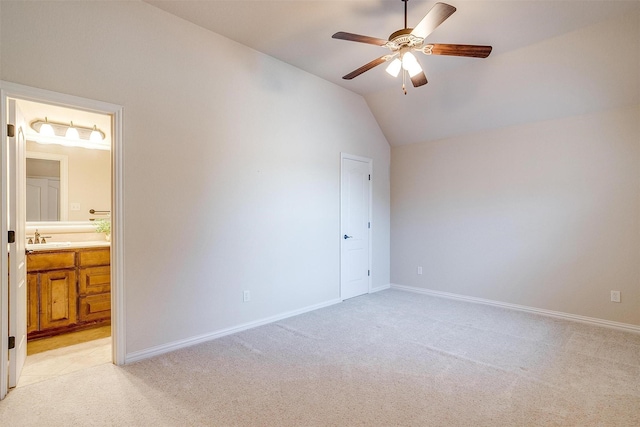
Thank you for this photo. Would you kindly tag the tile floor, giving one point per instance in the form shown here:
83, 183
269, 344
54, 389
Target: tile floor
52, 363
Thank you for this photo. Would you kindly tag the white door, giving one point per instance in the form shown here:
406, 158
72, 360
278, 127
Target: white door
17, 257
42, 199
37, 199
355, 226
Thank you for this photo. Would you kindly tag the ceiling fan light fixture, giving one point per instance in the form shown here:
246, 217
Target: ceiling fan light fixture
394, 68
410, 63
405, 40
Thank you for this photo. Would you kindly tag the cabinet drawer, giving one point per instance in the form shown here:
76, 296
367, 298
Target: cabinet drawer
51, 260
94, 257
95, 307
94, 280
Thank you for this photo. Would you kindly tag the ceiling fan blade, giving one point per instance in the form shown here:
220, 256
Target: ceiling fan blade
366, 67
419, 79
436, 16
474, 51
358, 38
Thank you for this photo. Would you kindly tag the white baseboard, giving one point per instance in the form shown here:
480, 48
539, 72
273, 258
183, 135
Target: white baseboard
558, 314
380, 288
176, 345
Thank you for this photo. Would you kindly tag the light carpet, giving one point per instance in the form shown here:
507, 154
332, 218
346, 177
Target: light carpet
391, 358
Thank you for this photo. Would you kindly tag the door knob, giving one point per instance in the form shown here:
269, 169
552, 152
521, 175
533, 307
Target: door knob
347, 237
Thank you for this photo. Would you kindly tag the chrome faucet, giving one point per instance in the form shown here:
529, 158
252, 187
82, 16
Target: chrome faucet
36, 238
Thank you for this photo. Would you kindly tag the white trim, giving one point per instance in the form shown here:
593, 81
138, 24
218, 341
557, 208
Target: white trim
369, 162
381, 288
14, 90
198, 339
118, 322
64, 178
557, 314
61, 227
18, 91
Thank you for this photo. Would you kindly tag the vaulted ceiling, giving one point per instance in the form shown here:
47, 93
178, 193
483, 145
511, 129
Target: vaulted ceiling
550, 59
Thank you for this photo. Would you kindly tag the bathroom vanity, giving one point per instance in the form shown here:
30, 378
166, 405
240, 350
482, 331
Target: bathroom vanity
68, 288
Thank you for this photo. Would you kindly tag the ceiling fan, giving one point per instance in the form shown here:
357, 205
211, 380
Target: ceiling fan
403, 42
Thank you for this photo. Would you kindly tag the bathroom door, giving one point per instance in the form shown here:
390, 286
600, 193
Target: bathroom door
17, 256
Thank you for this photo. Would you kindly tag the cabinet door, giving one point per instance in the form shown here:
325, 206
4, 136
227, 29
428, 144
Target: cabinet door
33, 303
57, 299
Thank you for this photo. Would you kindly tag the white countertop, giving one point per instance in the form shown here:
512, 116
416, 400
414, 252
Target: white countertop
66, 245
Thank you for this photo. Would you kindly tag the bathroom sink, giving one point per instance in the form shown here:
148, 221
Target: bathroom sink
66, 245
48, 245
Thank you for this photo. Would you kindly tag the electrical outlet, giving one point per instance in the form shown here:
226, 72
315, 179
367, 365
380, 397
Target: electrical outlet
246, 296
75, 206
615, 296
419, 269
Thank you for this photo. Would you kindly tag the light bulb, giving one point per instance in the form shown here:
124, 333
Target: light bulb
394, 68
72, 133
410, 63
95, 136
46, 129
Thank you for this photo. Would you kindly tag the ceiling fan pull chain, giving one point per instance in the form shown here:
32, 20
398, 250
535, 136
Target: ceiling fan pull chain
404, 79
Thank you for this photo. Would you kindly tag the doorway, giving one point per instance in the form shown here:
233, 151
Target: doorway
355, 225
92, 302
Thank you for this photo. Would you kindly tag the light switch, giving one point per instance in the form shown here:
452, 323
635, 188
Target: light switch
75, 206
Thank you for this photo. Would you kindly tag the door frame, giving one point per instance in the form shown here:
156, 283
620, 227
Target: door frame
369, 162
14, 90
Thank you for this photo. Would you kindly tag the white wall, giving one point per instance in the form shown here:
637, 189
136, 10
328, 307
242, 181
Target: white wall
545, 214
231, 162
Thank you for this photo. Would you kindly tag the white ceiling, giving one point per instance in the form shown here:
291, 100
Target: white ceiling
299, 33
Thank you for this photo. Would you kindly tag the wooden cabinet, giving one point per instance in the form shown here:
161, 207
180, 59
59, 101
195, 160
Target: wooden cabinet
67, 290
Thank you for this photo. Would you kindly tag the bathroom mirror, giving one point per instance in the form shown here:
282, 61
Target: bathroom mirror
65, 183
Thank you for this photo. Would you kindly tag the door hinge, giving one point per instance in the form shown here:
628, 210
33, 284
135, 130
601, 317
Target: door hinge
369, 177
11, 130
368, 272
11, 238
368, 225
12, 343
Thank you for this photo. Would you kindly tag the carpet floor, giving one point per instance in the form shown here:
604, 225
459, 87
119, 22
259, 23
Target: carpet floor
391, 358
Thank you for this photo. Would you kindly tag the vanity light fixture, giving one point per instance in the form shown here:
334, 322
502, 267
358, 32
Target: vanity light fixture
96, 136
69, 131
72, 132
46, 129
